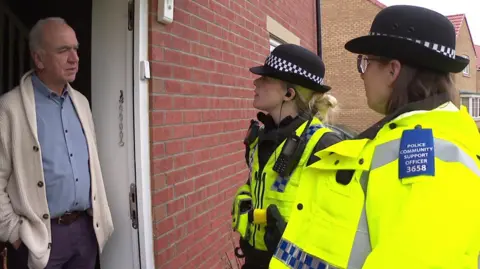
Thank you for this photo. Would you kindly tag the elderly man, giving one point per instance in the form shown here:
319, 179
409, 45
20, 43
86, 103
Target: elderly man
53, 207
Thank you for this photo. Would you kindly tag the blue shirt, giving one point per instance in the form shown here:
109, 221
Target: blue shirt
64, 151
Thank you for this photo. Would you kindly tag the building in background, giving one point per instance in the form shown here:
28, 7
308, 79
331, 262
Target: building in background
477, 49
343, 20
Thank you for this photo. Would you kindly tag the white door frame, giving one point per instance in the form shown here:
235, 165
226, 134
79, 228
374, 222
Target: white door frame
135, 121
142, 136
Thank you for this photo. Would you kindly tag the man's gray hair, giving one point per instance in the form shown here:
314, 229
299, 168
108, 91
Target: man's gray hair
35, 36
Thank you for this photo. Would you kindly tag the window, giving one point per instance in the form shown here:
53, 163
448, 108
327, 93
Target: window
274, 42
465, 101
472, 103
466, 71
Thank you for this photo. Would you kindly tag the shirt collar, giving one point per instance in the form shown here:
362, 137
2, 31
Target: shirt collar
39, 86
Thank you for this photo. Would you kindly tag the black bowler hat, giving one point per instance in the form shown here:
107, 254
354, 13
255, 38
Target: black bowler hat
294, 64
413, 35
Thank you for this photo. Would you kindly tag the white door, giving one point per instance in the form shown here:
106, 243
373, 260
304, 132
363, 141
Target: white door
112, 94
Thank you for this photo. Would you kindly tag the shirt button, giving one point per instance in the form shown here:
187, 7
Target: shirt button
40, 184
392, 126
360, 161
66, 131
97, 225
336, 162
45, 216
71, 155
300, 206
35, 148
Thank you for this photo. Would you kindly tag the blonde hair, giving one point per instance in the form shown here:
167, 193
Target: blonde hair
320, 105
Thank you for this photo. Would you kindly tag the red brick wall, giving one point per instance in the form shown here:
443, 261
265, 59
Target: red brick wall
200, 107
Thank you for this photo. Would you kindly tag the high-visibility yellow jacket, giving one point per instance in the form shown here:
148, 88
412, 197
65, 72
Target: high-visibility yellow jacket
267, 187
411, 200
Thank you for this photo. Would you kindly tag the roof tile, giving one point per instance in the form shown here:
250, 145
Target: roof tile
457, 21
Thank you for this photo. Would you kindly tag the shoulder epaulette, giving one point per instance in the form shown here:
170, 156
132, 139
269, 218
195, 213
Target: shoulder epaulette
252, 133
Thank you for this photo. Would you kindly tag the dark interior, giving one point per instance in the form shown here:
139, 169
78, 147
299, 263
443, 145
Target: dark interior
77, 13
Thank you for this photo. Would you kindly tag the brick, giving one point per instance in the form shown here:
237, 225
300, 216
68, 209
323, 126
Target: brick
164, 255
184, 188
162, 165
159, 182
163, 196
164, 226
183, 160
158, 150
175, 206
174, 147
159, 212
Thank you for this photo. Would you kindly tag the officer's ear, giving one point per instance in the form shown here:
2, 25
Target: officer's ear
290, 94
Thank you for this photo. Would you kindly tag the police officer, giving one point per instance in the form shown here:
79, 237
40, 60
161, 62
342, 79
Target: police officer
291, 91
405, 193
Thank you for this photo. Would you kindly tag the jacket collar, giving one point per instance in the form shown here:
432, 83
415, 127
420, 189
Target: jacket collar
426, 104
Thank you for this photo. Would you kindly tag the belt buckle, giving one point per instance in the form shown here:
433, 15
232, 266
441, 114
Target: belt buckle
60, 219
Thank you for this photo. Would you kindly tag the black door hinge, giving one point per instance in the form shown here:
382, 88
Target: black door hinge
133, 205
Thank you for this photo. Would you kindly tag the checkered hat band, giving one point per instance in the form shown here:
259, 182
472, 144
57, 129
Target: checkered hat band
446, 51
282, 65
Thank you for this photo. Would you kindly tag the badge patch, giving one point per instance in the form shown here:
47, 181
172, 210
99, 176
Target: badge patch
417, 153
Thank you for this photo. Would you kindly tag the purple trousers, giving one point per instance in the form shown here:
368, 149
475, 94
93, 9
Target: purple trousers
74, 246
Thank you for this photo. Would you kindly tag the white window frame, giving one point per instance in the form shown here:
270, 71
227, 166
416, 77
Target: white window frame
473, 104
466, 70
274, 42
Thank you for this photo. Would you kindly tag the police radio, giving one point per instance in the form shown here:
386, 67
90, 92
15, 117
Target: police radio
291, 153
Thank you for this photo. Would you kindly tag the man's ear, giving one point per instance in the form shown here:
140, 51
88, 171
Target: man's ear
38, 60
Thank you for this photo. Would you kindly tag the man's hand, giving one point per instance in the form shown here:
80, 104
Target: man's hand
17, 244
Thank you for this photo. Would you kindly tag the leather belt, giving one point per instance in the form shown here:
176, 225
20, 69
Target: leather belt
69, 217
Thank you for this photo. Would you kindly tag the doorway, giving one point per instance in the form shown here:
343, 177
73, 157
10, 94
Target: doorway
105, 77
78, 14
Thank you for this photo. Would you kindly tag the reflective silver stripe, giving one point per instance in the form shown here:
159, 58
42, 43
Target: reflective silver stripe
444, 150
361, 245
250, 164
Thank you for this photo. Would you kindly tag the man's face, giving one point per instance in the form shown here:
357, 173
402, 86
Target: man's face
58, 59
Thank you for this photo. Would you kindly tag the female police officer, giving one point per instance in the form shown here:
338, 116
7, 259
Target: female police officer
405, 194
292, 92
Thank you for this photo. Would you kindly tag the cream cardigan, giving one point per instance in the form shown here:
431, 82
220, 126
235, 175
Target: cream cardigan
23, 202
